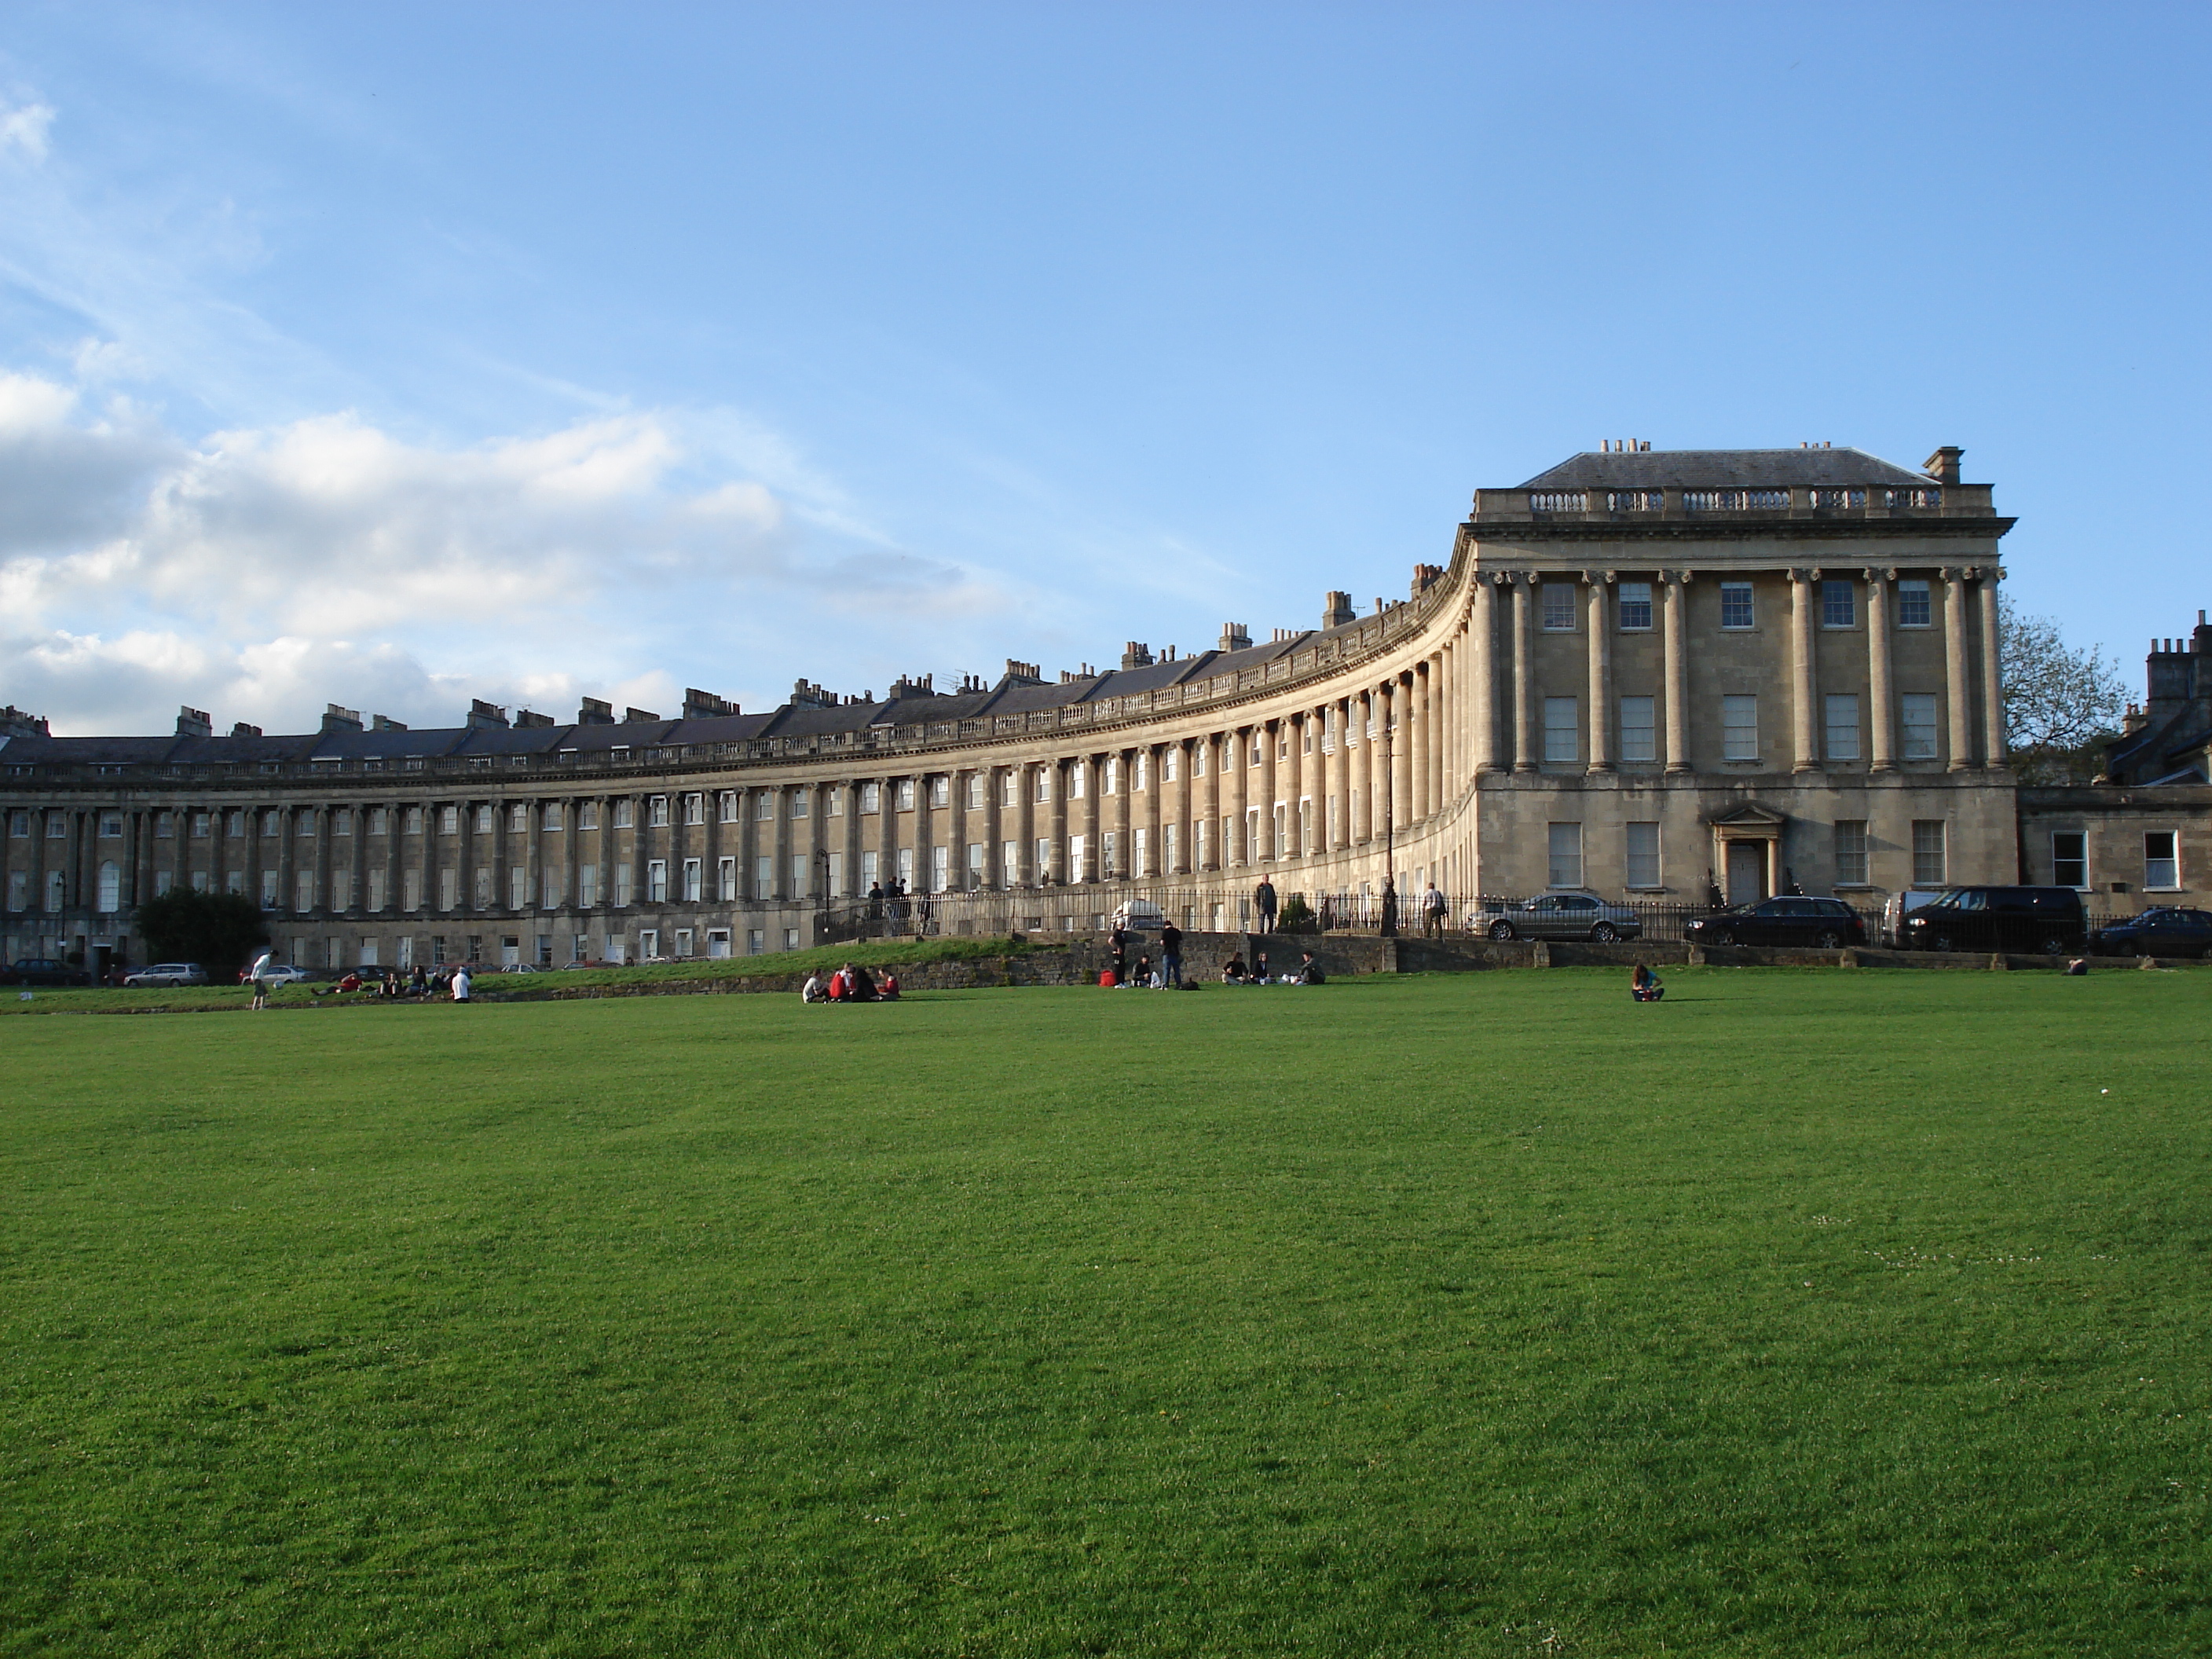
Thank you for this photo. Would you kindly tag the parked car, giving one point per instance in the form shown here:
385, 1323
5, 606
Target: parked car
44, 970
1821, 924
2167, 931
1559, 915
168, 973
281, 973
2043, 921
1901, 904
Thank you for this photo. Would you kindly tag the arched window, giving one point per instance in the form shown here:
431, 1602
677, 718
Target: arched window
110, 895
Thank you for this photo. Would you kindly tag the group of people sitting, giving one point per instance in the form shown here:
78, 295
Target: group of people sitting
851, 983
1308, 972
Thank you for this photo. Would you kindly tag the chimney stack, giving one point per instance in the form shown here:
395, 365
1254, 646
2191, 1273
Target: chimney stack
194, 723
385, 723
336, 719
483, 714
595, 713
640, 717
1336, 609
1943, 464
705, 705
525, 720
1135, 656
1235, 636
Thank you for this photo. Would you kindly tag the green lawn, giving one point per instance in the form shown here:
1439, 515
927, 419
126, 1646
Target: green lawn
1813, 1311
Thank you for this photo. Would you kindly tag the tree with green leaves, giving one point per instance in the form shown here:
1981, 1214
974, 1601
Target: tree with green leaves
219, 931
2062, 705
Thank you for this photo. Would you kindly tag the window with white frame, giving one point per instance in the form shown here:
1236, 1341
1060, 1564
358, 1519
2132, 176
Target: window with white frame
1143, 771
1111, 778
975, 792
1916, 603
656, 811
1643, 853
623, 814
551, 892
872, 798
695, 808
1929, 860
1043, 852
449, 820
1009, 787
1740, 728
1198, 754
1636, 607
656, 881
518, 818
588, 816
1559, 607
482, 818
833, 801
1259, 746
871, 869
1077, 780
940, 873
905, 857
905, 796
517, 887
764, 875
2070, 859
975, 866
1839, 604
693, 878
726, 880
1562, 736
1044, 783
802, 870
1077, 848
1735, 606
1851, 852
764, 806
108, 888
2162, 865
111, 825
801, 802
727, 807
1639, 737
269, 822
1009, 862
1842, 711
549, 817
1916, 717
941, 790
1564, 845
163, 881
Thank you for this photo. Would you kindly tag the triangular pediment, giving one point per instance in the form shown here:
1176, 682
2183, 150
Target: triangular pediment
1751, 816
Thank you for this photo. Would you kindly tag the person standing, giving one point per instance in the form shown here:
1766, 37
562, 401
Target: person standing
1433, 907
1118, 943
1171, 956
259, 973
461, 983
1263, 901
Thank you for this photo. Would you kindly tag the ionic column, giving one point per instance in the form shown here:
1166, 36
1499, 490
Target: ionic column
1417, 743
1671, 585
1125, 813
1443, 740
1026, 873
326, 897
1525, 750
1210, 798
1298, 727
1268, 733
1881, 680
1186, 858
1094, 816
1367, 772
1601, 671
1484, 672
994, 850
1804, 725
852, 874
1955, 693
1057, 851
1338, 774
1400, 711
1235, 855
887, 833
1993, 732
1155, 815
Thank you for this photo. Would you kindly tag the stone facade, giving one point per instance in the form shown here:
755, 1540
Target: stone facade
1651, 672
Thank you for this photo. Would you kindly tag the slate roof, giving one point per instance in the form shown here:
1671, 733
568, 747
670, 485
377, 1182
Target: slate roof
1722, 469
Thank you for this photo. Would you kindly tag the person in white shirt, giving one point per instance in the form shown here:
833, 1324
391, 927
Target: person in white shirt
813, 991
259, 973
461, 983
1433, 911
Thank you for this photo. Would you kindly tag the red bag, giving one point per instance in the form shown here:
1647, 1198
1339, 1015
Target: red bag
1106, 980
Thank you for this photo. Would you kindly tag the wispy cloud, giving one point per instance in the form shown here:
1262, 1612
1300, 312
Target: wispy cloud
23, 129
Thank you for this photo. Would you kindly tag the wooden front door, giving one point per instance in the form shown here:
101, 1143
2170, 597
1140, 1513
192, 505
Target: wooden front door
1746, 871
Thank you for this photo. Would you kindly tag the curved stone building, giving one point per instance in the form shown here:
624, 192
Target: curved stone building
1643, 672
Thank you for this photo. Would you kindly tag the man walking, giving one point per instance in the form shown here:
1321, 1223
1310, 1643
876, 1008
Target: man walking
1432, 912
1171, 956
1263, 901
259, 973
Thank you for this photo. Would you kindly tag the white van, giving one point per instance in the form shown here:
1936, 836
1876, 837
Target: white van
1140, 916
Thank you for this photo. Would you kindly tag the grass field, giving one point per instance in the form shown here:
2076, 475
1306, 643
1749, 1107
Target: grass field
1809, 1312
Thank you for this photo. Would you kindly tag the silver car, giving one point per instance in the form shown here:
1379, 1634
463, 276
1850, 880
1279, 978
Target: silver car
1559, 915
168, 973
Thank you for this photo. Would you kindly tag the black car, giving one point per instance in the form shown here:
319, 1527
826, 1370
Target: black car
2168, 931
43, 970
1822, 924
2040, 920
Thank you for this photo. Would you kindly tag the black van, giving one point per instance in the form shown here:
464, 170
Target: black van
2035, 920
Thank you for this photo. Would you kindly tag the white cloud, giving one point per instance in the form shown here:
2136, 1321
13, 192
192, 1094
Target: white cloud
23, 128
264, 572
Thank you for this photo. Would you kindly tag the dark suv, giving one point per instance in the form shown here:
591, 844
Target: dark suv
2168, 931
1824, 924
2040, 920
44, 970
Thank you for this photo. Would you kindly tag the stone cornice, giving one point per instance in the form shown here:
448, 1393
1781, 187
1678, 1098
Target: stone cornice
1482, 533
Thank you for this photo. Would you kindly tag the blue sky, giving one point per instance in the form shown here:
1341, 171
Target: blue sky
396, 355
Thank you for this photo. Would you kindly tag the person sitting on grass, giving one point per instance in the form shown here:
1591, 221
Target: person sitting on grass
860, 985
1643, 985
888, 990
1143, 979
1259, 968
1309, 972
1232, 971
813, 991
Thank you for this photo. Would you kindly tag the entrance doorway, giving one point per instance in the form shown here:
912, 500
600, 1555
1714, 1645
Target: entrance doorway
1746, 871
